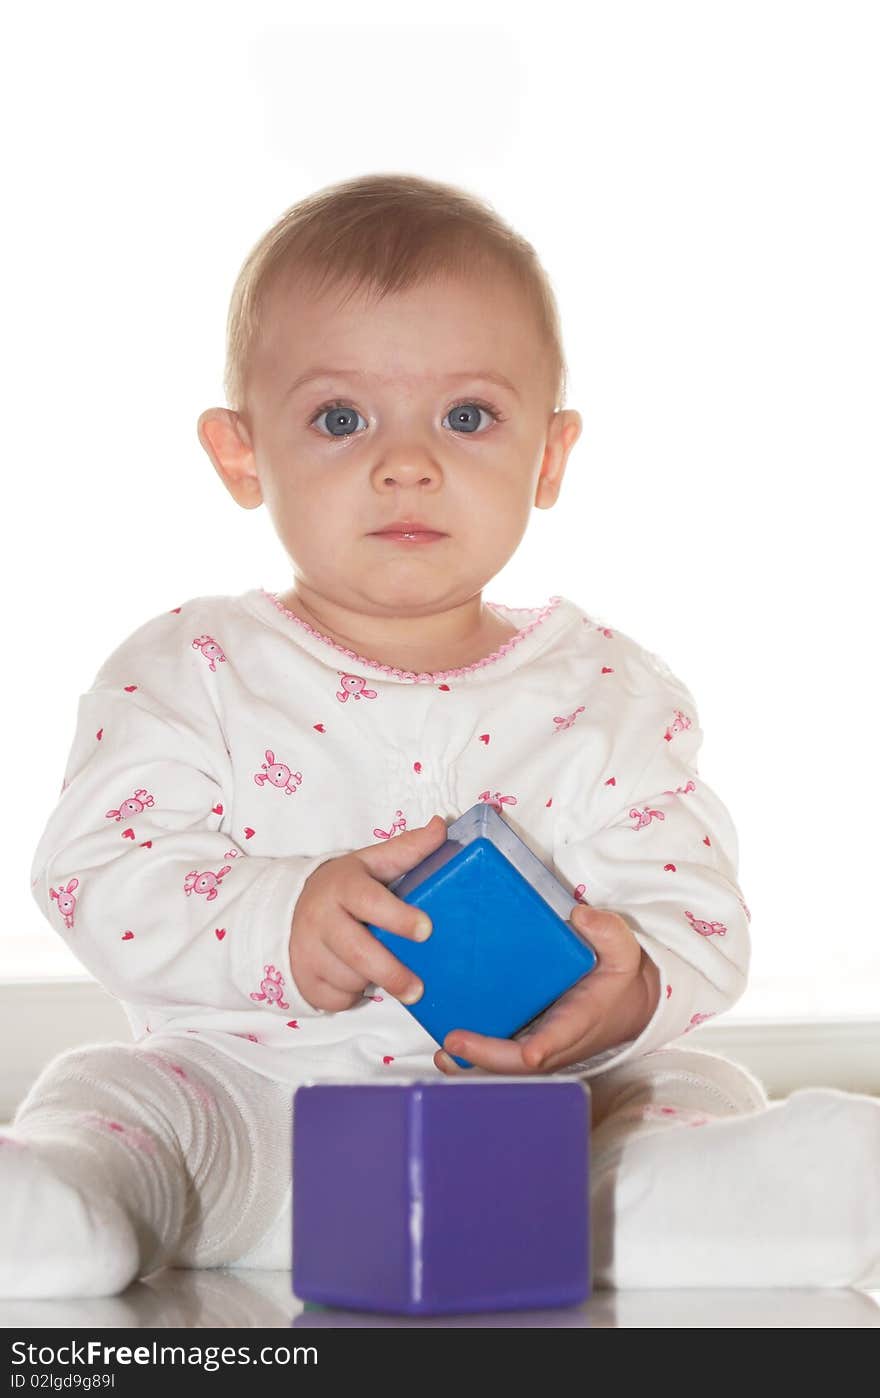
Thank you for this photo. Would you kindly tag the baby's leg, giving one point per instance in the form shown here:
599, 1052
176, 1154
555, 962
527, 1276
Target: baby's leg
696, 1180
124, 1158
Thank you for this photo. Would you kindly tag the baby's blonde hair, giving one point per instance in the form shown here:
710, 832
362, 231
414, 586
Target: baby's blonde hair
389, 232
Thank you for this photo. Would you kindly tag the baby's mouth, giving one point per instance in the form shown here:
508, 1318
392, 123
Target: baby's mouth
409, 536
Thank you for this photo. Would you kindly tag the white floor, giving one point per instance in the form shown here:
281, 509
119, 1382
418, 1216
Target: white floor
233, 1299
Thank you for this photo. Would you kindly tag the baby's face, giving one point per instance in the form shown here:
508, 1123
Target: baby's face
422, 429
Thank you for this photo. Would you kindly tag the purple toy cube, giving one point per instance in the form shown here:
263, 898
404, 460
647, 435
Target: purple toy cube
433, 1196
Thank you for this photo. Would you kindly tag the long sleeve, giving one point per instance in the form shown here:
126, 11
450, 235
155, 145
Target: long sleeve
665, 858
134, 868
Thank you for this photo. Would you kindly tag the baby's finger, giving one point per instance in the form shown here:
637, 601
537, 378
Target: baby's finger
352, 943
566, 1024
330, 968
325, 996
610, 937
493, 1055
370, 901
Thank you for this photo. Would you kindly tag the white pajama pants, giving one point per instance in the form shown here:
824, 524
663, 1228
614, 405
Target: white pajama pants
197, 1148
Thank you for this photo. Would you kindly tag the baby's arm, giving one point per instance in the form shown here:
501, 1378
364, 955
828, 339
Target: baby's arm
665, 860
133, 868
652, 852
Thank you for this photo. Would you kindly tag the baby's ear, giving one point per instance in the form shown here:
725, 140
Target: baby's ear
563, 431
226, 440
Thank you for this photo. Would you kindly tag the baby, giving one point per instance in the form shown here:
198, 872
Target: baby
248, 774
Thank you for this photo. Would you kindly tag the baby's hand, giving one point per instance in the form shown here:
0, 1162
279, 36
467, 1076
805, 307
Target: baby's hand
333, 956
609, 1006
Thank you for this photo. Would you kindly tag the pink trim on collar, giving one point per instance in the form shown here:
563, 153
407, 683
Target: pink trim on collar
424, 676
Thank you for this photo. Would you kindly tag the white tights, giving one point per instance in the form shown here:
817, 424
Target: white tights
125, 1158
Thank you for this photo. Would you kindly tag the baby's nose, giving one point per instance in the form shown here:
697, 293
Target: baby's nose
395, 480
407, 464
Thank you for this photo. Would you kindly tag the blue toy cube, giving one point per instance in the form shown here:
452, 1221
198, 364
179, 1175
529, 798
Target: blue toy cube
502, 949
442, 1195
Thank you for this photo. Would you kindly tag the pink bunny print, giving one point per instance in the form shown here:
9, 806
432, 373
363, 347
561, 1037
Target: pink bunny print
497, 800
563, 723
271, 989
353, 688
643, 818
707, 929
398, 826
66, 900
133, 806
681, 790
204, 883
277, 774
680, 723
210, 650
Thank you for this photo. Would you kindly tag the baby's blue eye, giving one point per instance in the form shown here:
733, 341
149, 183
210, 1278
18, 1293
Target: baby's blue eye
466, 415
342, 419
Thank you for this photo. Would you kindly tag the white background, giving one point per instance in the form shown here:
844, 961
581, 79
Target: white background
700, 181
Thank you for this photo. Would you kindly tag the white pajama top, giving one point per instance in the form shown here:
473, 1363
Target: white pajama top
226, 749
